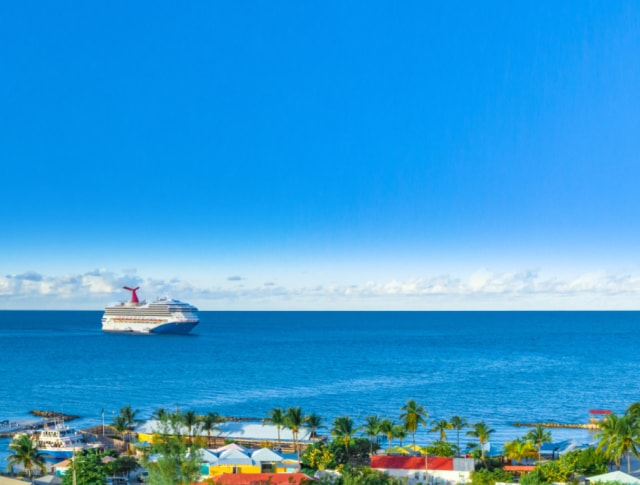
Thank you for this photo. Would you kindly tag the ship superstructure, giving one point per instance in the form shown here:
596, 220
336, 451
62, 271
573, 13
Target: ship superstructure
59, 441
165, 315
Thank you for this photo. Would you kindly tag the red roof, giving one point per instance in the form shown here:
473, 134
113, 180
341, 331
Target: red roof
599, 411
411, 463
261, 479
519, 468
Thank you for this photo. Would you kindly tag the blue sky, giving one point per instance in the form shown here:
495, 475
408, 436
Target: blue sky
321, 155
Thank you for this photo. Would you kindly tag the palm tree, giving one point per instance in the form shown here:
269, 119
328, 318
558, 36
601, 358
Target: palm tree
481, 432
538, 436
458, 423
619, 436
372, 428
129, 415
120, 425
519, 449
344, 429
210, 423
25, 454
191, 421
386, 428
413, 416
607, 437
441, 426
399, 432
276, 417
175, 420
314, 421
159, 414
633, 410
293, 420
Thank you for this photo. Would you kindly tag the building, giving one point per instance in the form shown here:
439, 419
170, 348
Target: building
250, 434
434, 470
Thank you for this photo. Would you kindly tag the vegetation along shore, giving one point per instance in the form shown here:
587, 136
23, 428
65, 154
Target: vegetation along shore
183, 447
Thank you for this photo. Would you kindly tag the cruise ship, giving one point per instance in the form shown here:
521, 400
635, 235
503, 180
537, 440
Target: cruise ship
165, 315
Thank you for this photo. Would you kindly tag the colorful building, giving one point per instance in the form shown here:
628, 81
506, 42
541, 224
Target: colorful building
434, 470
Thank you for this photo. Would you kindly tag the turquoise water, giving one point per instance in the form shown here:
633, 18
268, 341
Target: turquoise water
503, 367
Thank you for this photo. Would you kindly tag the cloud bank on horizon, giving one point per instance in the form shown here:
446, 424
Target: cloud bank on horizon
482, 290
347, 155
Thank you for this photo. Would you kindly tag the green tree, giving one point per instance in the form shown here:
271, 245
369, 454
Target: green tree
122, 465
129, 415
587, 462
314, 422
413, 415
293, 420
176, 464
159, 414
441, 448
619, 436
386, 428
210, 422
358, 454
344, 430
120, 425
458, 424
441, 427
25, 454
538, 436
318, 456
174, 422
482, 433
89, 470
518, 450
399, 432
485, 476
634, 410
363, 475
276, 417
191, 420
371, 428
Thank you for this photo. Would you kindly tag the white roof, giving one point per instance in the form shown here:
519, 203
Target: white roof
234, 457
230, 446
206, 456
616, 476
264, 455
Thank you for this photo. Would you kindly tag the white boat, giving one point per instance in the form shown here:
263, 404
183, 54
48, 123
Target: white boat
165, 315
58, 441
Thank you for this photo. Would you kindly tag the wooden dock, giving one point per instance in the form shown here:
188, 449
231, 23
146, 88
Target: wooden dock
9, 428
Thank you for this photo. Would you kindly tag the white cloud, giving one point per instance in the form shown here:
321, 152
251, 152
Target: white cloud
483, 289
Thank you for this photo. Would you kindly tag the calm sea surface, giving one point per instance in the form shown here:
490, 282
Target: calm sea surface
502, 367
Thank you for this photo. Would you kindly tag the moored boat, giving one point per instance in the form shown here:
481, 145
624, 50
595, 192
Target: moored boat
59, 441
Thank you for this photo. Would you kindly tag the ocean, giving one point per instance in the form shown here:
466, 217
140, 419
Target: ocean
500, 367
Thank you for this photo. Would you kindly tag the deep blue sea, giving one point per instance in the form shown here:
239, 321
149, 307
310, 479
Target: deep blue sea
501, 367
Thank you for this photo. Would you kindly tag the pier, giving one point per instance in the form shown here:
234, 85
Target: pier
9, 428
591, 426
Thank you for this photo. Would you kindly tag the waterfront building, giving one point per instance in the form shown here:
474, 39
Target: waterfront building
249, 434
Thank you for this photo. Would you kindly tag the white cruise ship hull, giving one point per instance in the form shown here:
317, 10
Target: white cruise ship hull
180, 328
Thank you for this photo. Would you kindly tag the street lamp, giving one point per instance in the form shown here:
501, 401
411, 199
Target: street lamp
73, 462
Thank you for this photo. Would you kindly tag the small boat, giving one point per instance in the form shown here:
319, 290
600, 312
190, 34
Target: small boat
59, 441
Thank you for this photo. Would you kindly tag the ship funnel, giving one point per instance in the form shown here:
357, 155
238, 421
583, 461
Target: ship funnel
134, 295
